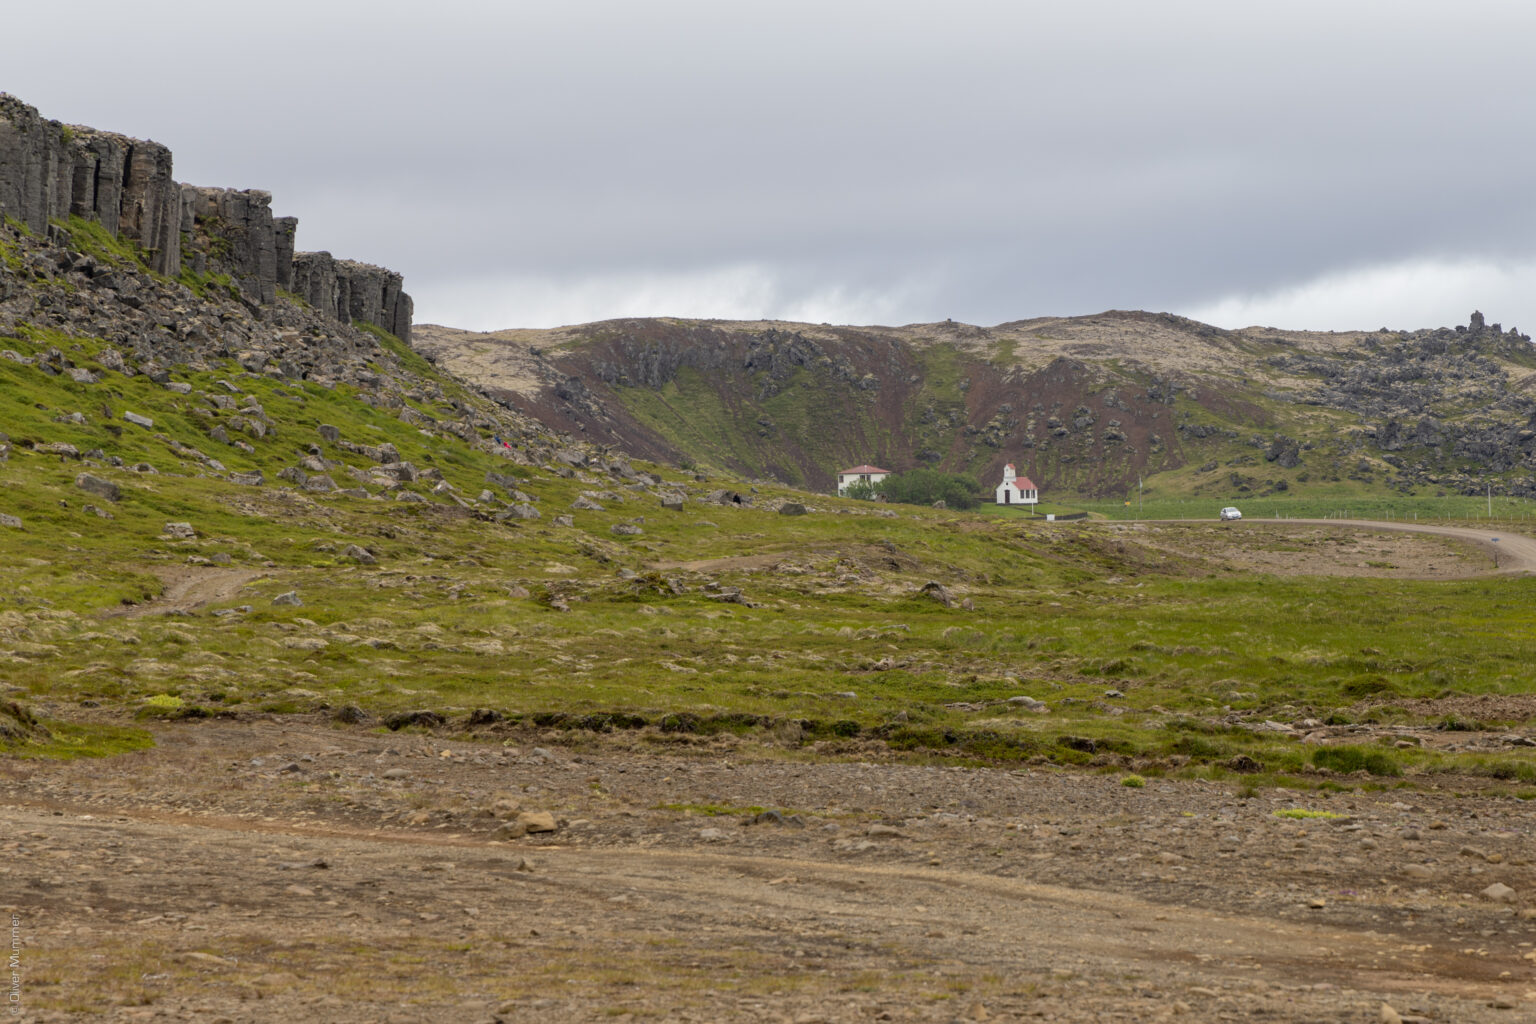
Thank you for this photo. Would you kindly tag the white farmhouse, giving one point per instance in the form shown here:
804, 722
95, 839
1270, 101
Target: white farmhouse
860, 475
1016, 490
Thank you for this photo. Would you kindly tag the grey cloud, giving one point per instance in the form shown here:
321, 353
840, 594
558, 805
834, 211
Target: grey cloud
1023, 158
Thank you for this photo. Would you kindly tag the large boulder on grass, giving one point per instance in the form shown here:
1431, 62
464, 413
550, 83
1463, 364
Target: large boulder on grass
99, 487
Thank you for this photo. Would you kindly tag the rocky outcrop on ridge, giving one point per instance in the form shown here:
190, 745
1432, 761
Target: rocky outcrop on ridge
50, 172
348, 291
87, 297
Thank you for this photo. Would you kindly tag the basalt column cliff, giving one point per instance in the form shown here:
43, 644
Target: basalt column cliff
50, 172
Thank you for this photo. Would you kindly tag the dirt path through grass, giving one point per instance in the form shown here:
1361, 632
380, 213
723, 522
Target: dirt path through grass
1513, 554
188, 588
1497, 552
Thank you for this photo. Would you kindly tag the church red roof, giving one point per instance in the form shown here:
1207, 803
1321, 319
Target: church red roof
864, 469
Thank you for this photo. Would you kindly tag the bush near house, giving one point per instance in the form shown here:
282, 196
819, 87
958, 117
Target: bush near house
926, 486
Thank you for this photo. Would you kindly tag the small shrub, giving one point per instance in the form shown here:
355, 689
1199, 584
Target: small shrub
1306, 813
1195, 747
1367, 685
1353, 759
1133, 782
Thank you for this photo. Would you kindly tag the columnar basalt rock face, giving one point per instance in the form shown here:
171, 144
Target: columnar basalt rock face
314, 281
97, 181
29, 164
50, 171
348, 290
151, 205
285, 229
241, 232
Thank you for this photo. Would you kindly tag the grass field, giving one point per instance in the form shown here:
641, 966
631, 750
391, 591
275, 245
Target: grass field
813, 633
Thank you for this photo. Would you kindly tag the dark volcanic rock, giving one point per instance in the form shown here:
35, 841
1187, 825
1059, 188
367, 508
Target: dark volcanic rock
50, 171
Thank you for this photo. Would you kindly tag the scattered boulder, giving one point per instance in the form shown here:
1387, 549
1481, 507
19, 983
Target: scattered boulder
775, 818
537, 821
625, 530
510, 830
359, 554
586, 504
673, 501
938, 592
401, 719
517, 512
180, 531
290, 599
137, 420
99, 487
792, 508
7, 520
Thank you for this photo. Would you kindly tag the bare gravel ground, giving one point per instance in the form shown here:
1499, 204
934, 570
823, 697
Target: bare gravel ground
296, 870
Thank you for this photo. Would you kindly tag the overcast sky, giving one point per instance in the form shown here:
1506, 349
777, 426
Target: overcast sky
1303, 164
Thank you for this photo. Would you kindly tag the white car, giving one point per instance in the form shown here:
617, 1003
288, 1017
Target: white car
1230, 513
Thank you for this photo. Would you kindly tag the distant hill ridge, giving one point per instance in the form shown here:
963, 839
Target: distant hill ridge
1086, 406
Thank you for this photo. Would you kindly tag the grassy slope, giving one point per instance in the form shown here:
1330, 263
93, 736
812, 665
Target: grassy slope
1061, 613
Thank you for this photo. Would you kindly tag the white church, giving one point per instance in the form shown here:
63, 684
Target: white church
1016, 490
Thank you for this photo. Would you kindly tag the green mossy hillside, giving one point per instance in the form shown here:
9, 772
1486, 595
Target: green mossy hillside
849, 630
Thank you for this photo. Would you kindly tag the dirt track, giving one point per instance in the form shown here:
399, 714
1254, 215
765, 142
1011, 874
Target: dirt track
1333, 547
1512, 553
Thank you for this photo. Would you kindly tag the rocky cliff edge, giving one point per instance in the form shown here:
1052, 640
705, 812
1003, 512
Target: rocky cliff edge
50, 171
